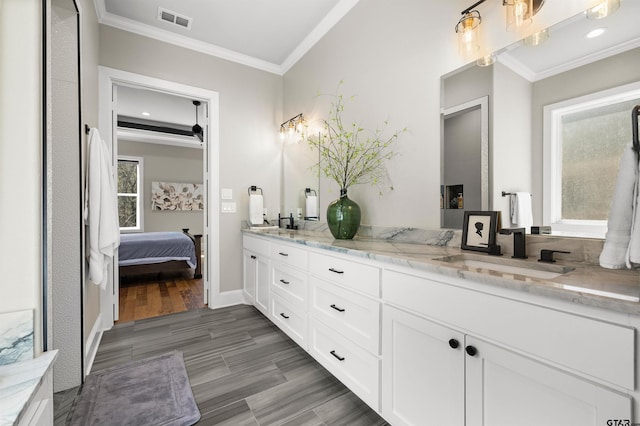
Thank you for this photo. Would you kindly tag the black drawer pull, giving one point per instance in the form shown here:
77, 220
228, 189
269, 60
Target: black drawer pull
284, 282
253, 257
337, 308
454, 343
283, 315
340, 358
336, 271
283, 254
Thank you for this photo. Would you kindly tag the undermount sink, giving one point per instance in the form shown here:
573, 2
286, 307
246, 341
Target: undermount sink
506, 265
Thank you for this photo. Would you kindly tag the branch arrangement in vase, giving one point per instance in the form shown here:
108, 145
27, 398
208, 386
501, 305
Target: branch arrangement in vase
350, 154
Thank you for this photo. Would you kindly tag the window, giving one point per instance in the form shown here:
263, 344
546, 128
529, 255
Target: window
584, 140
130, 212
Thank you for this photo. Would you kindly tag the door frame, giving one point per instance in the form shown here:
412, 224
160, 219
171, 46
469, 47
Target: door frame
110, 77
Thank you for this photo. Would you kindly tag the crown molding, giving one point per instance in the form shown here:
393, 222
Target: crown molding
139, 28
332, 18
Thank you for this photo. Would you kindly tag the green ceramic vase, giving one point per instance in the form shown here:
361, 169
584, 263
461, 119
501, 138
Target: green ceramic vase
343, 217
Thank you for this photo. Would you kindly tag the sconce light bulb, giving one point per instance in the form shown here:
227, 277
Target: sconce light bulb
520, 11
603, 9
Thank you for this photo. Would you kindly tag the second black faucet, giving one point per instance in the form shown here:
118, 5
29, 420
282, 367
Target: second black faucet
519, 243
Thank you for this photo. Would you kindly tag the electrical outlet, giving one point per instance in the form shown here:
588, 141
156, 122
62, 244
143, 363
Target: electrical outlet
228, 207
299, 212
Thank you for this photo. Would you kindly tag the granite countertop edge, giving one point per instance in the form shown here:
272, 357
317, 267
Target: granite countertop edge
587, 284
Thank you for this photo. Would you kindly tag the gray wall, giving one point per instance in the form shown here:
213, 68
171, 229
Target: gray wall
163, 163
64, 157
392, 55
250, 114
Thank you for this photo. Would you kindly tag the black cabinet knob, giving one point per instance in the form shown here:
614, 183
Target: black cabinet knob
454, 343
471, 350
253, 257
282, 314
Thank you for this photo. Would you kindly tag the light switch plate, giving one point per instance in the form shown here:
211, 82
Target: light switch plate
228, 207
226, 194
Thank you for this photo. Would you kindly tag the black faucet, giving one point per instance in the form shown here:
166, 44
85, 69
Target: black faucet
290, 225
519, 244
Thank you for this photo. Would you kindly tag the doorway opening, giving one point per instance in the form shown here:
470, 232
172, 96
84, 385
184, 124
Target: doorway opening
167, 182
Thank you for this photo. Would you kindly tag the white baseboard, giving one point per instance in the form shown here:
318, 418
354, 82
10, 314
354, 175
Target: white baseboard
92, 343
228, 298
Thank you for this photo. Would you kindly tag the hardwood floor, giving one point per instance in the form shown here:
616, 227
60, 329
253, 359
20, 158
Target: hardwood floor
152, 295
243, 370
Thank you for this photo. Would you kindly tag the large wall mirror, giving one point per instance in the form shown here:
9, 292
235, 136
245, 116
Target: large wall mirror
525, 84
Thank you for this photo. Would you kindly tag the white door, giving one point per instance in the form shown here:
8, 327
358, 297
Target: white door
505, 389
422, 371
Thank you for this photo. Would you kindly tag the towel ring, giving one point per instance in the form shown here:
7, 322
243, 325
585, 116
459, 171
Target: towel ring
254, 188
308, 192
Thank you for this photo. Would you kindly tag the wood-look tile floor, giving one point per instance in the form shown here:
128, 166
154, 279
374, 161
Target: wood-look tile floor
243, 370
152, 295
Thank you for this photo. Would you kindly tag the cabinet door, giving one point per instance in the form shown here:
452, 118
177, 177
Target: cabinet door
505, 388
249, 276
262, 285
422, 371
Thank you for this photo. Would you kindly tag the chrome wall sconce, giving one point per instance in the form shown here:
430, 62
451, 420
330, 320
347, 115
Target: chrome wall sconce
293, 125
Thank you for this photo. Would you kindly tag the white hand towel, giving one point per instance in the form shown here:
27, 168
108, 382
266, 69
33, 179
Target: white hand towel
256, 209
312, 206
521, 212
616, 246
101, 210
633, 258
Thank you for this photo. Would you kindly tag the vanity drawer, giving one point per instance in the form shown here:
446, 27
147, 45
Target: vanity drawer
351, 274
356, 368
354, 316
290, 320
291, 284
601, 350
256, 245
290, 255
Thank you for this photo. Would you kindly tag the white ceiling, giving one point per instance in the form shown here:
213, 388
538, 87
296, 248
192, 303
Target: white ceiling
567, 46
269, 35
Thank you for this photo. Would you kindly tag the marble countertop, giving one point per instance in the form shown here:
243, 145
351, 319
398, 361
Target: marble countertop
588, 284
18, 384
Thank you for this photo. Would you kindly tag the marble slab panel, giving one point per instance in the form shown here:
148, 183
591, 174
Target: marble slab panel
16, 336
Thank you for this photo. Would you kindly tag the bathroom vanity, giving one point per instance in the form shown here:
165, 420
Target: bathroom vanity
423, 340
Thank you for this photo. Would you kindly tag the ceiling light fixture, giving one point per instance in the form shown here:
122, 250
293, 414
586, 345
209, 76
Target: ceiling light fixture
145, 113
596, 33
197, 129
603, 9
293, 125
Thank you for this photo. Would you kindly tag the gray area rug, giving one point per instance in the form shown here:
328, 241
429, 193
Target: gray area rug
153, 391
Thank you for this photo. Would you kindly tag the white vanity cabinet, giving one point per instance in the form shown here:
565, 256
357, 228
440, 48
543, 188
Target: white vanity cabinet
459, 357
256, 272
345, 322
289, 291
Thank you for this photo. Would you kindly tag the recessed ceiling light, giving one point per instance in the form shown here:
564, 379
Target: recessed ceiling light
145, 113
595, 33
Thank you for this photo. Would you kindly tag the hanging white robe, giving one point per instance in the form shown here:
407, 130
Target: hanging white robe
101, 210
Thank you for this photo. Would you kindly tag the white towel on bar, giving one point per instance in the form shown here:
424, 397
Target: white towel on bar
617, 245
101, 210
256, 209
312, 206
633, 257
521, 212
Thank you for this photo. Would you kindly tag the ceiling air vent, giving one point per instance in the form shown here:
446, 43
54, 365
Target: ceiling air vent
174, 18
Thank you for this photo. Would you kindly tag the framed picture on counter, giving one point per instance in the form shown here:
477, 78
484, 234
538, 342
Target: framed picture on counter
479, 230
